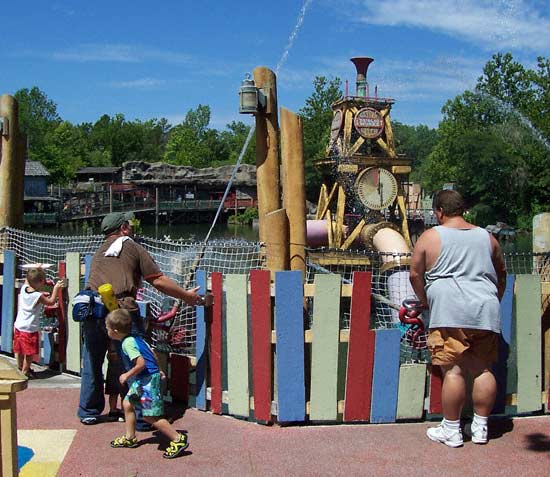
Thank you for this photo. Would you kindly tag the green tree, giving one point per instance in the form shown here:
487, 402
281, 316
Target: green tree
416, 142
38, 117
317, 117
494, 143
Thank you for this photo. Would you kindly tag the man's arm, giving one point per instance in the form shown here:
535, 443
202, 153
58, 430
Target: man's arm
418, 268
500, 266
169, 287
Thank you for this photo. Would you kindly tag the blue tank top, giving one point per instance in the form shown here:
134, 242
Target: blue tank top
462, 285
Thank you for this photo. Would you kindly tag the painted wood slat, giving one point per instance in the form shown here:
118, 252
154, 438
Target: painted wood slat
179, 377
216, 351
528, 306
324, 349
63, 312
289, 328
8, 301
201, 346
237, 345
385, 378
505, 359
357, 401
436, 384
260, 316
72, 327
410, 396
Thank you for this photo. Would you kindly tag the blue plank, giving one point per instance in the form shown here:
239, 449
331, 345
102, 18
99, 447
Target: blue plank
8, 302
87, 267
500, 368
385, 379
201, 348
289, 325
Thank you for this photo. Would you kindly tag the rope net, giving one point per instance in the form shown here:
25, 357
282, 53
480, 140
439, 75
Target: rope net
179, 258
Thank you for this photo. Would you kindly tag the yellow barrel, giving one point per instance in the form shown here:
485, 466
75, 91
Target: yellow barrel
108, 296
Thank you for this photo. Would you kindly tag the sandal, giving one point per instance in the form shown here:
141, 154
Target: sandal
176, 448
123, 441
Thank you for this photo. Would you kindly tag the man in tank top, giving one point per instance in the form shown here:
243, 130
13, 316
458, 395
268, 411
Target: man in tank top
458, 273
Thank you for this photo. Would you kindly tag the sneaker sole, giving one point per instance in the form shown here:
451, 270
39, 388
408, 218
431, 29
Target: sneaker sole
479, 441
447, 443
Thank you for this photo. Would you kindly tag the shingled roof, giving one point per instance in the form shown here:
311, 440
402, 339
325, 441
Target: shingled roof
35, 168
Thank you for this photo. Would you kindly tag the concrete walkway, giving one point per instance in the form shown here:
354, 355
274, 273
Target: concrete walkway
53, 442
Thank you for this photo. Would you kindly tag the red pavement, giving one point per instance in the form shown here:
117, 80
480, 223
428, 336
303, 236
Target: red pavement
226, 446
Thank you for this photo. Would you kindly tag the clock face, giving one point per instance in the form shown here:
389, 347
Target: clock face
376, 188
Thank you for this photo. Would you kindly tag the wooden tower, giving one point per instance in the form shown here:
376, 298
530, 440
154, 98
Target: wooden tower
368, 174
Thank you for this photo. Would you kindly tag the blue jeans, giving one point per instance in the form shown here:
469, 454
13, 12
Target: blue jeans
96, 342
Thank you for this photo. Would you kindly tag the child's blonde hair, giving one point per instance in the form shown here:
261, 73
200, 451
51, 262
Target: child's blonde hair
36, 276
120, 320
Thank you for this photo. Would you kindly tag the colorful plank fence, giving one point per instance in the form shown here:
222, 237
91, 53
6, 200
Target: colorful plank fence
269, 366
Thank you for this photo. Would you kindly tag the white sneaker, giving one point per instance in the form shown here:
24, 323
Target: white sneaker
449, 437
479, 433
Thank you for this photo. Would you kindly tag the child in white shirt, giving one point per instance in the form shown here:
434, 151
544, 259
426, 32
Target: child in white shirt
30, 307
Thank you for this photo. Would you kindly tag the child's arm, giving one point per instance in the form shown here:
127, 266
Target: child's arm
139, 366
50, 300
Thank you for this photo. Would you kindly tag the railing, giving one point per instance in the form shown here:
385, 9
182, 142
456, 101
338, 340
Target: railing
350, 374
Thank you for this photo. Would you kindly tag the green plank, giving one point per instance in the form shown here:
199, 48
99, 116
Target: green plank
324, 357
412, 386
237, 345
529, 353
73, 328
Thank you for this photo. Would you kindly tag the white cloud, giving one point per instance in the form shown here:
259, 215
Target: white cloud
141, 83
504, 24
118, 53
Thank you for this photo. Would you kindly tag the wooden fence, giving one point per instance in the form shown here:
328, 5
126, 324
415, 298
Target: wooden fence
256, 359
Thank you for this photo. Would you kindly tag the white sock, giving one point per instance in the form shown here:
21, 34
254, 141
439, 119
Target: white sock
480, 420
454, 425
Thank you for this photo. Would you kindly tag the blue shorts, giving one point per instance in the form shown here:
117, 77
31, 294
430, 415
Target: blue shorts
145, 393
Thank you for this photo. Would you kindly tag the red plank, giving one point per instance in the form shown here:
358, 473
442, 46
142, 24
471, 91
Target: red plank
357, 401
436, 382
179, 377
62, 315
260, 301
216, 344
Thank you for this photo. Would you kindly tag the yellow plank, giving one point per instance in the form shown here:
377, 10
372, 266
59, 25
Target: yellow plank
353, 235
340, 216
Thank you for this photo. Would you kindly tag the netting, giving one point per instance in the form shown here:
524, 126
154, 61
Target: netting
390, 286
179, 258
176, 258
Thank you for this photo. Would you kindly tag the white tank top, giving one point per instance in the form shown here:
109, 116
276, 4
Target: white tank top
29, 310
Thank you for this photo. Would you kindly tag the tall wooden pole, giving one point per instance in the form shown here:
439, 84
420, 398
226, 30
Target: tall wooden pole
12, 173
294, 189
267, 150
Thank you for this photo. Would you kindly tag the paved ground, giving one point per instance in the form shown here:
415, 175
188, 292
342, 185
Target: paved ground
53, 442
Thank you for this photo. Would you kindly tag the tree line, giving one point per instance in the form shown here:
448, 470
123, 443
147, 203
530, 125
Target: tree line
493, 142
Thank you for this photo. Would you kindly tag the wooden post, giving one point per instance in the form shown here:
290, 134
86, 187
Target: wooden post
156, 206
277, 241
11, 173
11, 381
267, 149
110, 198
294, 190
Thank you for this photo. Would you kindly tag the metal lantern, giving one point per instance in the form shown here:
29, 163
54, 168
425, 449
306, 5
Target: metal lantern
248, 96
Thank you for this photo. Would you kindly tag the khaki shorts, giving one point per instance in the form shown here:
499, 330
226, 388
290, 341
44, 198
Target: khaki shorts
450, 345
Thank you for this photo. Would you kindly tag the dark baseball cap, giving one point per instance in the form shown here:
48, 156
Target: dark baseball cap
114, 220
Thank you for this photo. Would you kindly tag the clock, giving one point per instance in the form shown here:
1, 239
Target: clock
376, 188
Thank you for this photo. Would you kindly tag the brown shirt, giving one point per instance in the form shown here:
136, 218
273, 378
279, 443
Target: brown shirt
124, 272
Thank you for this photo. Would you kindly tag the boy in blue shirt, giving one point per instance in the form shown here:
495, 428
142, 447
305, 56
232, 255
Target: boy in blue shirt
143, 378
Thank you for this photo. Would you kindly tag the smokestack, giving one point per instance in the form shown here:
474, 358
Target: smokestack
361, 64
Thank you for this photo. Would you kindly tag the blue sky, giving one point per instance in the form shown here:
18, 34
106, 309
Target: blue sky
160, 59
